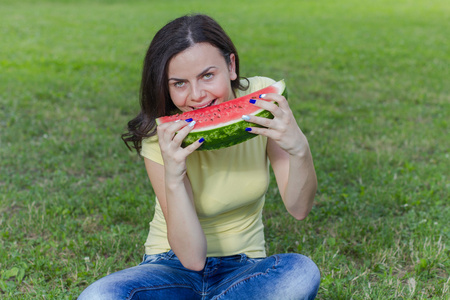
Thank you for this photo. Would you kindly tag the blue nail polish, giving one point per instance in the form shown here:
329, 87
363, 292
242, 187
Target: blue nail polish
189, 120
201, 140
252, 101
248, 129
262, 96
245, 117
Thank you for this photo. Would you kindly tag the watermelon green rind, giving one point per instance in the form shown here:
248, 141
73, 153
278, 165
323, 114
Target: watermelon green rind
224, 136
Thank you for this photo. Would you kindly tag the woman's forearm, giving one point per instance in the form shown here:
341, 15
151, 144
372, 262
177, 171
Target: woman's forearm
185, 234
301, 186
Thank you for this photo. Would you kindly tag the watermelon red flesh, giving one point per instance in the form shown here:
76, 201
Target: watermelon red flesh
222, 125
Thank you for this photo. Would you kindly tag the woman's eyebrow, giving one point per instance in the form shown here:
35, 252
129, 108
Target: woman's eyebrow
176, 79
206, 70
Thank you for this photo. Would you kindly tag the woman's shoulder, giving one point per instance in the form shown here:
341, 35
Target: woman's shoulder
254, 84
261, 80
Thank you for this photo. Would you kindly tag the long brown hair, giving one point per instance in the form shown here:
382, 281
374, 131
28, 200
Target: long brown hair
173, 38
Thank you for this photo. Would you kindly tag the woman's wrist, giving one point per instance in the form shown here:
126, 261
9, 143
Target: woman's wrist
174, 172
174, 181
302, 150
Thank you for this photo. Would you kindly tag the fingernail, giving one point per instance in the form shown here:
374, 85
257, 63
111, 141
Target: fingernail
201, 140
262, 96
248, 129
191, 124
252, 101
189, 120
245, 117
177, 121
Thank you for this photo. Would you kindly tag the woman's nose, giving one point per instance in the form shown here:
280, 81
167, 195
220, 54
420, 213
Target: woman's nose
197, 92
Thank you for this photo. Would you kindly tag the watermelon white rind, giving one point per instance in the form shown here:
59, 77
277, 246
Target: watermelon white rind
221, 134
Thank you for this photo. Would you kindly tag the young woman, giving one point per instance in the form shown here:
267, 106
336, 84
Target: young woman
206, 239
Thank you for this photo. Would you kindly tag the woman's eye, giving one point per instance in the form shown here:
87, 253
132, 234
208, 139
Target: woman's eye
179, 84
208, 76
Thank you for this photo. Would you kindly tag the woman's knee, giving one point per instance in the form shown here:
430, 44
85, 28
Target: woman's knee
111, 287
299, 263
301, 272
97, 291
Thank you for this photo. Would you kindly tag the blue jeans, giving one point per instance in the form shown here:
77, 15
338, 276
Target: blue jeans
162, 276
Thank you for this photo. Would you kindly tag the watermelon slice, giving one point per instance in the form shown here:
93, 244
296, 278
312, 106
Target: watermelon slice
221, 125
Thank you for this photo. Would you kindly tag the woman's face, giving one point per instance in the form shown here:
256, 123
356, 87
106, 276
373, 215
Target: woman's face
199, 77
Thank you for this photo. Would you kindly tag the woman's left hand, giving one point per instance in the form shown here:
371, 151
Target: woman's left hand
283, 128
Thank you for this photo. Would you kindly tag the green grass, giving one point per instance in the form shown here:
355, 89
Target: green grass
368, 82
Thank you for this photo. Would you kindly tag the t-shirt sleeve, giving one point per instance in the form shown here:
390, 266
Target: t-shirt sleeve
262, 82
256, 83
150, 149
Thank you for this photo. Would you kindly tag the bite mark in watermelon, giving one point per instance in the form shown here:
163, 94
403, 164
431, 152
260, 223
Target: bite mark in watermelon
221, 125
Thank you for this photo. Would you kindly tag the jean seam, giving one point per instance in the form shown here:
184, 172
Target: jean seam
164, 286
154, 258
208, 272
273, 267
169, 255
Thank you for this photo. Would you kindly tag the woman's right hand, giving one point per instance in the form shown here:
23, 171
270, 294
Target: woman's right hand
170, 136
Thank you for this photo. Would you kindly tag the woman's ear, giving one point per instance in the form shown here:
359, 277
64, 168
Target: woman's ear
232, 67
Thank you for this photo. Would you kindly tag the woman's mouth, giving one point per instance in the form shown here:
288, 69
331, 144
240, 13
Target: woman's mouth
206, 105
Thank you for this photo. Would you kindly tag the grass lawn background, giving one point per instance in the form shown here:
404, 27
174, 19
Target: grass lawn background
368, 82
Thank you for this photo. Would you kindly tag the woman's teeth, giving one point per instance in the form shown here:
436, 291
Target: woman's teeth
209, 104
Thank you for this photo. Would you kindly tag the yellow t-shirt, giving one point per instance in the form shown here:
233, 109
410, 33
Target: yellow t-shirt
228, 186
